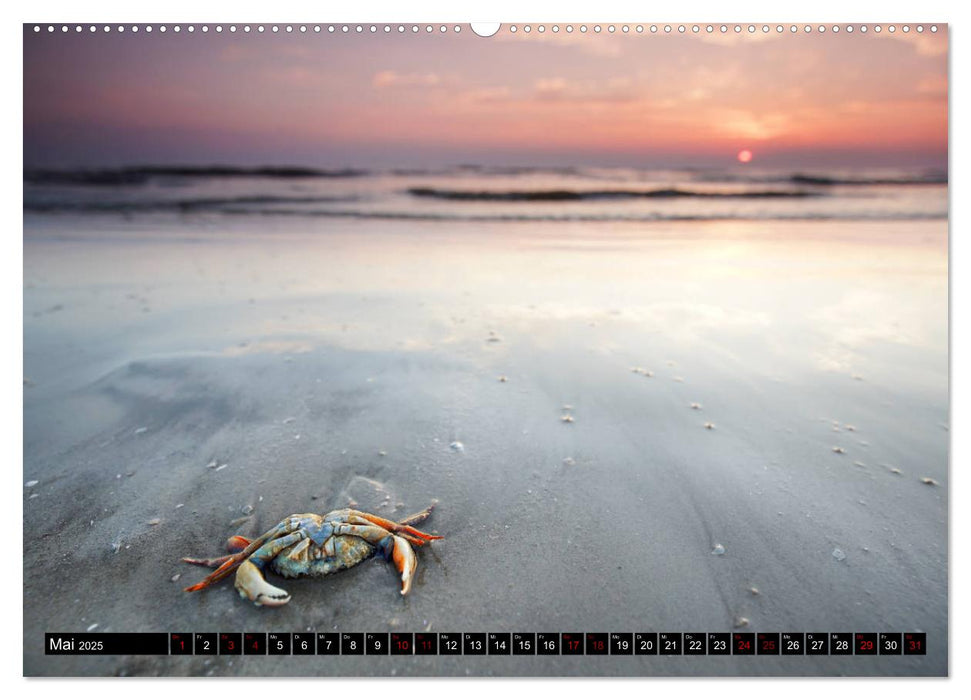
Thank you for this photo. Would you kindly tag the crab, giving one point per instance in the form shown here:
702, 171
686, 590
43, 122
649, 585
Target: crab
316, 545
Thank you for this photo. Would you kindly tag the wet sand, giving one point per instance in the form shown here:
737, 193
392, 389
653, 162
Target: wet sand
321, 368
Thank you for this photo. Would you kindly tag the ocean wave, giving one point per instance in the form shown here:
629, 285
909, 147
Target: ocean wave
143, 174
139, 175
929, 179
552, 218
603, 218
823, 180
563, 195
177, 205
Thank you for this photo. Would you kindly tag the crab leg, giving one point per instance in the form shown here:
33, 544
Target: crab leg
411, 534
249, 576
235, 544
231, 563
391, 546
420, 516
213, 563
405, 561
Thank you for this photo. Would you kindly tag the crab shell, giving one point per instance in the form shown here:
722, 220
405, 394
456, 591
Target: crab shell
316, 545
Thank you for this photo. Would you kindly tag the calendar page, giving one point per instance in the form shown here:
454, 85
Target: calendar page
449, 349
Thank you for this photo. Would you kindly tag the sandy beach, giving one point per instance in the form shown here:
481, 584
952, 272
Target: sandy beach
627, 427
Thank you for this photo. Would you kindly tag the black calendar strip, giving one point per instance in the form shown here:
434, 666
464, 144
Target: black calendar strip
489, 643
102, 643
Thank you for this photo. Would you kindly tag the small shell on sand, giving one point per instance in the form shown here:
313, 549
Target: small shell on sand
849, 427
154, 521
212, 464
175, 578
838, 554
696, 406
382, 453
927, 480
894, 470
718, 549
221, 467
503, 378
753, 590
678, 379
709, 426
457, 446
839, 450
569, 461
742, 622
31, 484
566, 419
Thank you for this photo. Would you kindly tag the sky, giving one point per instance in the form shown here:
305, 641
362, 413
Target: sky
336, 100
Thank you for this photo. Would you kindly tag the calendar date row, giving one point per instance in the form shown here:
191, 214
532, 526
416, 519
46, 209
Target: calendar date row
493, 643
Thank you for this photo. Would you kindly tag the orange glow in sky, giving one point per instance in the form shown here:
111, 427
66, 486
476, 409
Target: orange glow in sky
335, 99
744, 156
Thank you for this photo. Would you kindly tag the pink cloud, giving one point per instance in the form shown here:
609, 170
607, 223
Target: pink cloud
390, 78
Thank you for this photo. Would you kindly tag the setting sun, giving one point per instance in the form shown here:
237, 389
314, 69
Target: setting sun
893, 113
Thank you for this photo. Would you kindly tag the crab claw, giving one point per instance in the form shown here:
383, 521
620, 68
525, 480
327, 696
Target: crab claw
406, 562
251, 584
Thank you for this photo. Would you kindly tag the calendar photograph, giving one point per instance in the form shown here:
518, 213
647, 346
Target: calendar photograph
534, 350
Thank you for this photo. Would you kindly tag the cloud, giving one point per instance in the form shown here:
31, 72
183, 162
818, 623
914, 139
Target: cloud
602, 44
752, 125
925, 44
733, 38
486, 94
551, 87
391, 79
617, 89
935, 85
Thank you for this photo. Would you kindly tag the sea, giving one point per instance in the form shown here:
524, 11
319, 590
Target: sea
484, 193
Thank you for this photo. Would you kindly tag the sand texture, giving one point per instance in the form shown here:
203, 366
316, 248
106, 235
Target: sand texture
625, 431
